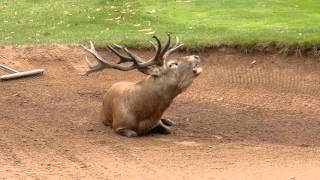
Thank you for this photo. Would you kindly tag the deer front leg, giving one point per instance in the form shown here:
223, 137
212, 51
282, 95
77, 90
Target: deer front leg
167, 122
161, 128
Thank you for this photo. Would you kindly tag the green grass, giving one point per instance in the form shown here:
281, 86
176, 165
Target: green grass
198, 23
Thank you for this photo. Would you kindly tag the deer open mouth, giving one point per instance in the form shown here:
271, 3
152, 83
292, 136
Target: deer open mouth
196, 69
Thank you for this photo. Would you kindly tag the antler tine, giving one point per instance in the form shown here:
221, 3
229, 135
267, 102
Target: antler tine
93, 51
92, 46
117, 45
154, 60
122, 58
174, 48
177, 41
131, 58
166, 47
92, 68
143, 64
156, 48
158, 51
154, 45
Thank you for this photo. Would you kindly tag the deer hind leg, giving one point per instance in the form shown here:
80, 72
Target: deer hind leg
106, 118
161, 128
126, 132
124, 123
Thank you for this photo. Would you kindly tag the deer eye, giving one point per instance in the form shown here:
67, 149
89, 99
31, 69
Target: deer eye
173, 65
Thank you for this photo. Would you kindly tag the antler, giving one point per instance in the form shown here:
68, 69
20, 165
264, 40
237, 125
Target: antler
137, 62
173, 49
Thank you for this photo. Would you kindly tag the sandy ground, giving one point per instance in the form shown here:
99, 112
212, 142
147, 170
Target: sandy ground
246, 117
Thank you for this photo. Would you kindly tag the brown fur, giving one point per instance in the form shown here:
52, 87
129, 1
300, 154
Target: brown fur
137, 107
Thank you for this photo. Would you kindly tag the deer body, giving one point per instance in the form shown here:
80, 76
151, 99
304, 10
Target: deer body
139, 105
133, 109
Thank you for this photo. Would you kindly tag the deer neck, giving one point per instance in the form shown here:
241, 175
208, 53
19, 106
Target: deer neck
162, 88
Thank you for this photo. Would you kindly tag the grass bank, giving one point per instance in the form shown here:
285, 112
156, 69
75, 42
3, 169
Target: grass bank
199, 23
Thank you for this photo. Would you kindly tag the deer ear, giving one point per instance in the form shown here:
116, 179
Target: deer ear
150, 71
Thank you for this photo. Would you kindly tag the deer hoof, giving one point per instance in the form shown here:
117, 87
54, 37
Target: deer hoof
161, 128
167, 122
126, 132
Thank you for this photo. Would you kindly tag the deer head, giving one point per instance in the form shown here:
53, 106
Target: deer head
175, 71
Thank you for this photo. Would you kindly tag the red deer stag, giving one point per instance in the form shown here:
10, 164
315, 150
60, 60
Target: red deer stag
133, 109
